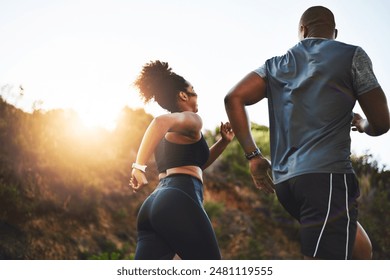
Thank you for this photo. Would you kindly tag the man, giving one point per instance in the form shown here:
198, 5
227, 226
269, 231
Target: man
311, 92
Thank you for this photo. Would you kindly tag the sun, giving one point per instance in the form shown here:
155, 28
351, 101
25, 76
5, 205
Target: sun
95, 116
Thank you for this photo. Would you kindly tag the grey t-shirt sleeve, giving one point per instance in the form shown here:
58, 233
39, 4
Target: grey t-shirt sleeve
363, 76
261, 71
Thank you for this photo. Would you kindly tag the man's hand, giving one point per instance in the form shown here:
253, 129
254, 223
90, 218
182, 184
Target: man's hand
358, 123
260, 169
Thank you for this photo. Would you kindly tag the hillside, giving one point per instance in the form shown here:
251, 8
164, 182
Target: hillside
64, 193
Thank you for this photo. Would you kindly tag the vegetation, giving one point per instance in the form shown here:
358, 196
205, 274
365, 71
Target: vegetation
64, 192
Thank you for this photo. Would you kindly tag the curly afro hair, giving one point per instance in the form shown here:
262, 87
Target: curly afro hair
158, 82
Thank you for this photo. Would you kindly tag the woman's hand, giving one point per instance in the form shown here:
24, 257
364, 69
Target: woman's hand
216, 150
138, 180
227, 133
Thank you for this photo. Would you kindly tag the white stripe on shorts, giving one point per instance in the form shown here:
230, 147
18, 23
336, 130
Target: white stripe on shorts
349, 219
327, 214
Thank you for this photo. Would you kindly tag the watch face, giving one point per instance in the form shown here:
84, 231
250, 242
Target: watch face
253, 154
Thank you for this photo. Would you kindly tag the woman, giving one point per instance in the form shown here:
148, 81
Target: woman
172, 219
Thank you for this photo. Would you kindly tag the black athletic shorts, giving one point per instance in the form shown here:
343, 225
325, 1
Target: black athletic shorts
326, 207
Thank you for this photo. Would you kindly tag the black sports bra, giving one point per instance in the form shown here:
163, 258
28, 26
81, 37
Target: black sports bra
169, 155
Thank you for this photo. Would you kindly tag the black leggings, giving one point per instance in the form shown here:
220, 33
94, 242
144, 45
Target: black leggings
172, 221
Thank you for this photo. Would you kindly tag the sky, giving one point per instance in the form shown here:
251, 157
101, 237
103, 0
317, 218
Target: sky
85, 54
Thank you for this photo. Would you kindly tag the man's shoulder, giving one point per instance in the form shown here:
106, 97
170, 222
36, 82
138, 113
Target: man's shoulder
323, 41
347, 45
325, 46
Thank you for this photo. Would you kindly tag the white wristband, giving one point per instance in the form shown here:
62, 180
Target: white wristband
139, 167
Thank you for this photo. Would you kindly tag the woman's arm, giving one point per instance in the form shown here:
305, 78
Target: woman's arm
186, 122
216, 150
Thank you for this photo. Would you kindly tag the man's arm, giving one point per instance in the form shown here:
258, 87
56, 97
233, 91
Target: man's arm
375, 108
250, 90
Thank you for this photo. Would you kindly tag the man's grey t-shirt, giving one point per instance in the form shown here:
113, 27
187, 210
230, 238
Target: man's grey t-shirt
311, 92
